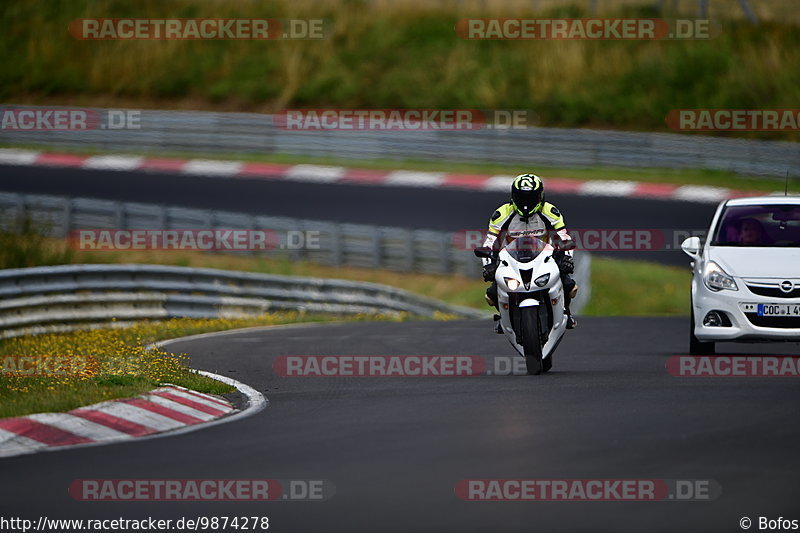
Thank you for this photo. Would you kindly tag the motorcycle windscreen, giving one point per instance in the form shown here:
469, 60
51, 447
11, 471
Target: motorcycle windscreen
525, 248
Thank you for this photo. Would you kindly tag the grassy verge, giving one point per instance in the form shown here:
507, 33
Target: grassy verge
628, 288
712, 178
101, 365
404, 57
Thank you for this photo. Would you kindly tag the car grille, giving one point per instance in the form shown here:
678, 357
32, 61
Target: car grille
782, 322
774, 292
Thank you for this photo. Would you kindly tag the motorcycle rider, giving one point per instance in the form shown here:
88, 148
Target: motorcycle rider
529, 214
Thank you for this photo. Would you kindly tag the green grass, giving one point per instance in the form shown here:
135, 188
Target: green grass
23, 245
628, 288
121, 366
712, 178
405, 57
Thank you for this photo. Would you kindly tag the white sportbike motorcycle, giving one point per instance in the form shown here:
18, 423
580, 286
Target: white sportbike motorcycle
530, 299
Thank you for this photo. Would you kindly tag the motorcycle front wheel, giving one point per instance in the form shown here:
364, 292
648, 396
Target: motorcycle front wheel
531, 340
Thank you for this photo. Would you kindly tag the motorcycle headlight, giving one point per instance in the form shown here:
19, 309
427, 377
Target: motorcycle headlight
717, 279
512, 283
542, 280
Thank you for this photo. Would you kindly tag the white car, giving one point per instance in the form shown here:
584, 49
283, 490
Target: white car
746, 281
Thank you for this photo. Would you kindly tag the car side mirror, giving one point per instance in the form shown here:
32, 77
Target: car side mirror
484, 252
691, 247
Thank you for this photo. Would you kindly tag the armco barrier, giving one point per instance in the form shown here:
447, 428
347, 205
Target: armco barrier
251, 133
60, 298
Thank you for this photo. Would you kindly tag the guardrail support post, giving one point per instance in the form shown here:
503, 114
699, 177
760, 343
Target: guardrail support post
119, 215
336, 244
19, 218
66, 217
296, 252
162, 217
410, 249
377, 259
444, 251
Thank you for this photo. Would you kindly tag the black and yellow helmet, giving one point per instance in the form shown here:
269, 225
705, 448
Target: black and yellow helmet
527, 194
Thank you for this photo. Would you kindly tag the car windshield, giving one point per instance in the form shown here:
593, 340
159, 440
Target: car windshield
759, 225
525, 249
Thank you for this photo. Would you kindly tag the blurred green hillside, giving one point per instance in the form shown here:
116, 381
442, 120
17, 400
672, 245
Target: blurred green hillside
401, 55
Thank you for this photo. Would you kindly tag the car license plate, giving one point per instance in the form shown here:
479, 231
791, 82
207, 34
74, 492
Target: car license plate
778, 310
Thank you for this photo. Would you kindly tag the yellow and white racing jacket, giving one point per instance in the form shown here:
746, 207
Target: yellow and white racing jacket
507, 224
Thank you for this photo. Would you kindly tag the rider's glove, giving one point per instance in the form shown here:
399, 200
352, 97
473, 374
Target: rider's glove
488, 271
565, 264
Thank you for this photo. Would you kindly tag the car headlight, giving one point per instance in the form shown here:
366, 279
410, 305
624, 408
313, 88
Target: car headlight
542, 280
512, 283
717, 279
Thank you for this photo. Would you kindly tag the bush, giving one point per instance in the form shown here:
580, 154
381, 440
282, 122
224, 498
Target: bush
24, 244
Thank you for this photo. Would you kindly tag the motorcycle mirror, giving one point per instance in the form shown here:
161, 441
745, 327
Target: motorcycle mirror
484, 252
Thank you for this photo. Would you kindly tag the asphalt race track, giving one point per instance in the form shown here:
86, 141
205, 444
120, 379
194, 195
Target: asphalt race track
395, 448
436, 209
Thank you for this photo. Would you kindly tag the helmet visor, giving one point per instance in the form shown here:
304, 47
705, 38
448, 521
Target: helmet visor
526, 200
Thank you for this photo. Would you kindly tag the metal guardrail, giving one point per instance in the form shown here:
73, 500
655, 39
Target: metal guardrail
335, 244
206, 132
388, 248
61, 298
